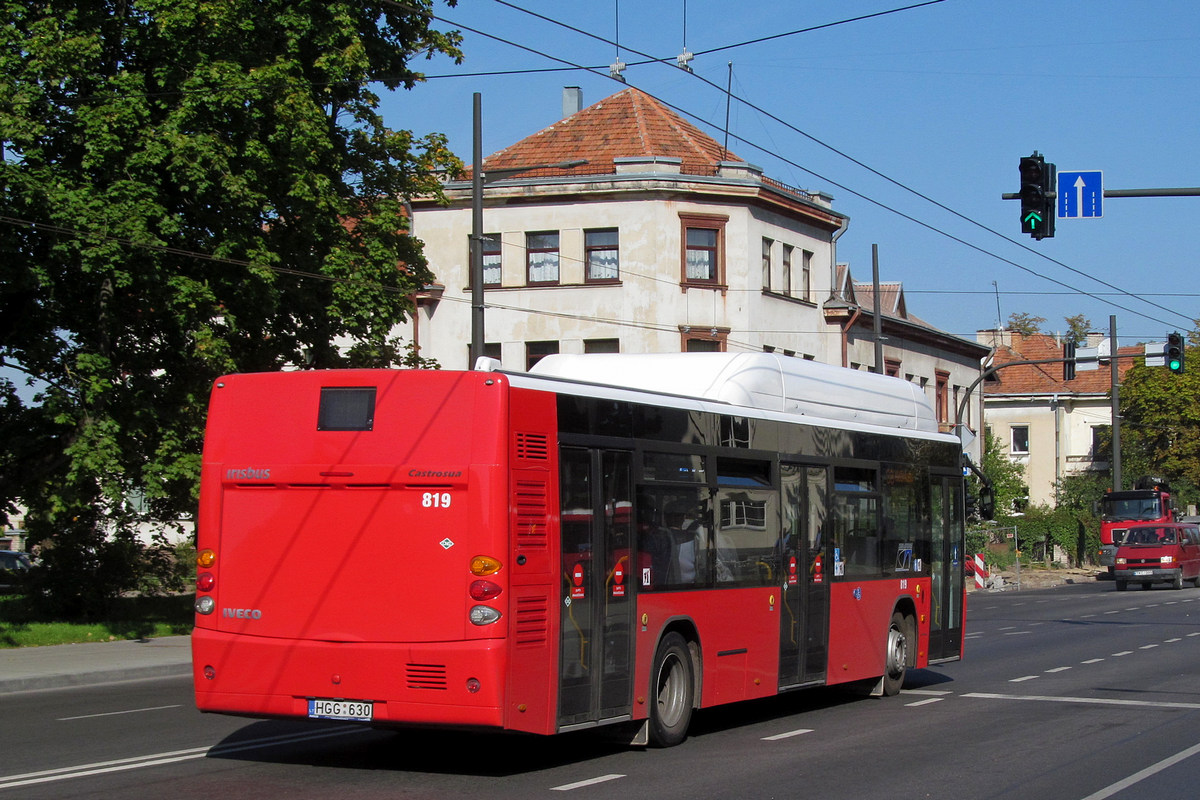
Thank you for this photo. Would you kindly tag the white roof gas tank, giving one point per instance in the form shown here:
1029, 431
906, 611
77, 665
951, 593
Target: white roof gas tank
765, 381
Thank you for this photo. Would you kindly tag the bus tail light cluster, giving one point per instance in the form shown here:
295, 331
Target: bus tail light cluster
205, 582
484, 591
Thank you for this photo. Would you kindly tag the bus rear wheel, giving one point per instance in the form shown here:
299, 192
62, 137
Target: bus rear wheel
672, 689
896, 657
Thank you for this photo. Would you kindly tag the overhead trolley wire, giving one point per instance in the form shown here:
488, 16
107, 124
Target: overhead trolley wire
598, 71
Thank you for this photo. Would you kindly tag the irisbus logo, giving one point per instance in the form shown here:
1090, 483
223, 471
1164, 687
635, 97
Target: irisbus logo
248, 474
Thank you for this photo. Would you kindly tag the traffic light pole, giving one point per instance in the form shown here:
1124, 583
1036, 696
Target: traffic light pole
1186, 191
1116, 408
1116, 404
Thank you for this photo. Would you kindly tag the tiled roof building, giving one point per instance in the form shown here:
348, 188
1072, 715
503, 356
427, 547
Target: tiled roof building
1048, 424
660, 241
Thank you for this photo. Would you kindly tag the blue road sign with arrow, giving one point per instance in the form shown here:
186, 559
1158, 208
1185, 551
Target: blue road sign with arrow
1080, 194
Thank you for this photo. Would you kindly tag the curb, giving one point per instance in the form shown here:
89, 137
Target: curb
98, 678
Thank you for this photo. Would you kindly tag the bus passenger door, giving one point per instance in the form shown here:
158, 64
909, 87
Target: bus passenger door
804, 623
946, 567
597, 603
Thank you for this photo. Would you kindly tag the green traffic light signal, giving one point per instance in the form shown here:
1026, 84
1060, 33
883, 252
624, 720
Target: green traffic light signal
1174, 353
1037, 196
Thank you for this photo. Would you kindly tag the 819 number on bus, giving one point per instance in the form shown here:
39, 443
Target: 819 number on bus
435, 500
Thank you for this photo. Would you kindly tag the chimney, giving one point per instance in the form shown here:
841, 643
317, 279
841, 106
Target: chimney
572, 100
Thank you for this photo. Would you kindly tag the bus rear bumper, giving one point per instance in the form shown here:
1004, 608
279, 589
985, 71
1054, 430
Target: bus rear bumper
442, 683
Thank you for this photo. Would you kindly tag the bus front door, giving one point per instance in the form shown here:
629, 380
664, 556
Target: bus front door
806, 570
597, 600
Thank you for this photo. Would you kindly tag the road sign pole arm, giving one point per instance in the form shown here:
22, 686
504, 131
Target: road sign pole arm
1168, 192
987, 373
992, 370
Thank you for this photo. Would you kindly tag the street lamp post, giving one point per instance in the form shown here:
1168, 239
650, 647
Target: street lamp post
478, 179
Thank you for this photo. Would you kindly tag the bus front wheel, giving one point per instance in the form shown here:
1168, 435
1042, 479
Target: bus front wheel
896, 663
672, 689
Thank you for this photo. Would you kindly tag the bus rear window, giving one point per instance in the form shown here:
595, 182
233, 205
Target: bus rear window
346, 408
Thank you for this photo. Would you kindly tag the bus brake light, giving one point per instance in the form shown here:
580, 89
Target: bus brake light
484, 590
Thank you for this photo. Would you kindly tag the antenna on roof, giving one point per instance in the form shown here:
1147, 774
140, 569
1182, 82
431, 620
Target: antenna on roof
728, 97
684, 57
618, 66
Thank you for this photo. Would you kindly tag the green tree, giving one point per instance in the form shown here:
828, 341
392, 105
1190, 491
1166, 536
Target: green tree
1006, 476
1025, 324
189, 188
1078, 328
1160, 425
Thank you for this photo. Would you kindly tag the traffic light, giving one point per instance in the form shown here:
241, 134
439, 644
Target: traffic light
1068, 361
1174, 353
1037, 196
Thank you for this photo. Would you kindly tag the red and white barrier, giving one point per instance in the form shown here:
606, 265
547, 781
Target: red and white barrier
981, 573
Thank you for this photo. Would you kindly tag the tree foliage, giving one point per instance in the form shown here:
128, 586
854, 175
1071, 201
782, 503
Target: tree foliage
1007, 477
190, 187
1025, 324
1078, 328
1160, 425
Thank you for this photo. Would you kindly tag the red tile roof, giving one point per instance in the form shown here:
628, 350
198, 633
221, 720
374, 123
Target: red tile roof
627, 124
1047, 378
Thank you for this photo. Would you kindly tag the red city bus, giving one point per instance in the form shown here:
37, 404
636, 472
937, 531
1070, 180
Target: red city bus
1149, 502
553, 551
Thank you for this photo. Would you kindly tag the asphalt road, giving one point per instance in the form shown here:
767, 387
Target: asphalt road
1074, 693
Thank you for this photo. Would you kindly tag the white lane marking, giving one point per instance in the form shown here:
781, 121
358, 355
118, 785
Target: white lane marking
1092, 661
118, 713
1122, 653
589, 782
933, 692
1148, 647
156, 759
1172, 641
1022, 679
924, 702
1137, 777
777, 737
1096, 701
1058, 669
1018, 633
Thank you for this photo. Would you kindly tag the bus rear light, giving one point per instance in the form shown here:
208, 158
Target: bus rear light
484, 565
473, 685
205, 605
484, 615
484, 590
206, 558
205, 582
209, 672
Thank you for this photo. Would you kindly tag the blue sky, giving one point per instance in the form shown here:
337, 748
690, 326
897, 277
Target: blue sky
942, 99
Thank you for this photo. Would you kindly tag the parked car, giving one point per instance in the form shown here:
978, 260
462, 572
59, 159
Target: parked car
1159, 552
13, 566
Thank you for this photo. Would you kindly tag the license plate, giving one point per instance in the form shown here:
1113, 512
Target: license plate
341, 709
1143, 572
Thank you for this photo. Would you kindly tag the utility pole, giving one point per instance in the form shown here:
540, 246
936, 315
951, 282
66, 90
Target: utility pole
1116, 405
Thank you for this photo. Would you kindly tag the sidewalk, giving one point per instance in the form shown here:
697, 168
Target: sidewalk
26, 668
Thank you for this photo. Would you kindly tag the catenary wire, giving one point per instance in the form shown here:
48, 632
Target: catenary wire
861, 164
